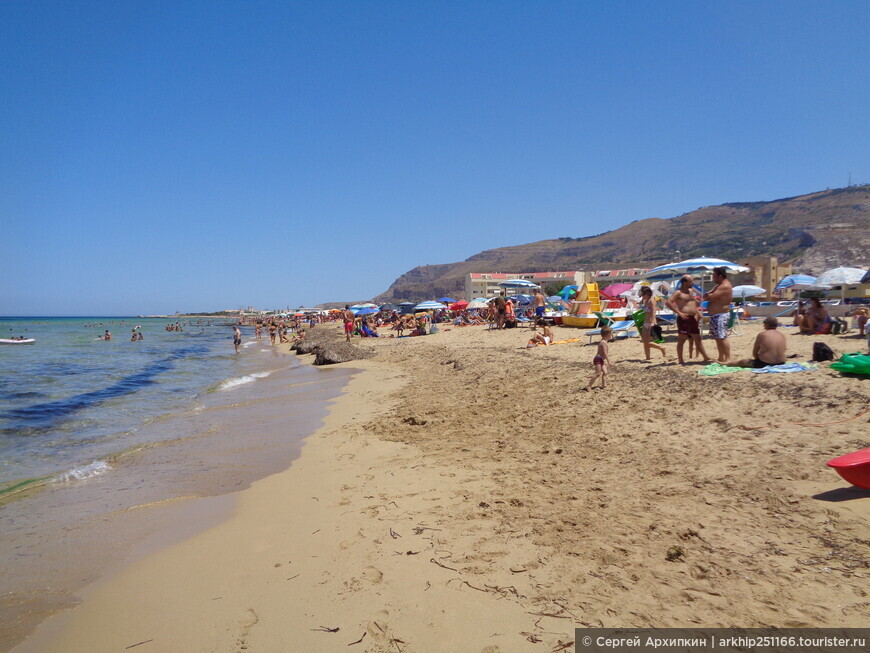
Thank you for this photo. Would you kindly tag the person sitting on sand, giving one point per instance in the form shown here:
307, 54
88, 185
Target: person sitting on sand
544, 338
798, 314
769, 347
816, 319
601, 361
649, 321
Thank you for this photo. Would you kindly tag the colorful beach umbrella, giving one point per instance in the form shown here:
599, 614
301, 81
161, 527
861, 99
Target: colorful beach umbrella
458, 306
367, 311
447, 300
614, 290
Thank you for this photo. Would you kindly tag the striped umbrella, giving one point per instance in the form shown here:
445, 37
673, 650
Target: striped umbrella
797, 282
518, 283
429, 306
699, 264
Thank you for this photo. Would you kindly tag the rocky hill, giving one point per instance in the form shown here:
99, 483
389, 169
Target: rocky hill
815, 232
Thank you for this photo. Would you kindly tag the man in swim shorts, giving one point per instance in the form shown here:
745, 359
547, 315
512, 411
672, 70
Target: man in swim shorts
540, 302
684, 302
349, 317
237, 337
719, 309
768, 349
500, 306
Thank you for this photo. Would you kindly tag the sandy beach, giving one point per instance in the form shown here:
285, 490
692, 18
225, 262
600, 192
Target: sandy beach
466, 494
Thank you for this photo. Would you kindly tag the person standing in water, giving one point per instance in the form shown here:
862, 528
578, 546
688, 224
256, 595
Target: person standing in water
237, 337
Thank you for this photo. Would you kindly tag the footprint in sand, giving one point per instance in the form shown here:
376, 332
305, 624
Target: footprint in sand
378, 625
374, 576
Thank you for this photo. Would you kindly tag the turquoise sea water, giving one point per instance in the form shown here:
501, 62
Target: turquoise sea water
70, 401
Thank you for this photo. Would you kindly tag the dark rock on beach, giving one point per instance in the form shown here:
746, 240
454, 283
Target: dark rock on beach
328, 347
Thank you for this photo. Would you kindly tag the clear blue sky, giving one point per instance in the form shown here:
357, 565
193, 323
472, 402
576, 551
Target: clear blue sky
160, 156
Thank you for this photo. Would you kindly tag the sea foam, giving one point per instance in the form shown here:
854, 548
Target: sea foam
96, 468
241, 380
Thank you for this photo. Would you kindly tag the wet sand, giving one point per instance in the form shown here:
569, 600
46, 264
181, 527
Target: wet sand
61, 537
467, 494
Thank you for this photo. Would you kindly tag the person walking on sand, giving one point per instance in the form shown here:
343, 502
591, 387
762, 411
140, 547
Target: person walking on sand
769, 347
719, 308
649, 321
237, 337
500, 306
601, 361
684, 303
348, 322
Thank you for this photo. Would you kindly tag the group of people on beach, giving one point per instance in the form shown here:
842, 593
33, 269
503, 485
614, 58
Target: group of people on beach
768, 349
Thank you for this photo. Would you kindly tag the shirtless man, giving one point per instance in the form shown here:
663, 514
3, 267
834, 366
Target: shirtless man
349, 317
237, 337
684, 302
500, 305
719, 309
540, 303
769, 347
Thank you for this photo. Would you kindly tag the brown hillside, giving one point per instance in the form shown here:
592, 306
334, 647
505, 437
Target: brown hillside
815, 232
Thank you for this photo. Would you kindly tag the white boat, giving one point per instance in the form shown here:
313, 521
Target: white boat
13, 341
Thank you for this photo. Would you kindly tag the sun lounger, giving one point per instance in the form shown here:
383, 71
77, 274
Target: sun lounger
624, 327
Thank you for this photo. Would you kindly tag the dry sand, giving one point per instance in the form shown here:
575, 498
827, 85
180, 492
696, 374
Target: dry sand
466, 494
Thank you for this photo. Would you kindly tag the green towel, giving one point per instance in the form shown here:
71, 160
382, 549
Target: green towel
717, 368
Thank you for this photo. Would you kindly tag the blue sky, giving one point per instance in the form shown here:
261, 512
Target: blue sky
162, 156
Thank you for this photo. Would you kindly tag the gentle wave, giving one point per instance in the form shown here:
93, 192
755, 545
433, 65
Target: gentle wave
83, 473
248, 378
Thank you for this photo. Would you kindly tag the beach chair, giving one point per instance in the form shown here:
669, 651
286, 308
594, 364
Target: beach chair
734, 324
623, 327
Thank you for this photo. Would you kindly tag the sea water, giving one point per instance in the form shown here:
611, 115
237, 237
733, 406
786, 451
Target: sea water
92, 431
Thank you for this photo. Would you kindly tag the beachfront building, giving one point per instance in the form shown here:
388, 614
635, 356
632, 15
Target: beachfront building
485, 284
764, 272
605, 278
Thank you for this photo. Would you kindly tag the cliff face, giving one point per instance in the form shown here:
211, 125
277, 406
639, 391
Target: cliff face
816, 232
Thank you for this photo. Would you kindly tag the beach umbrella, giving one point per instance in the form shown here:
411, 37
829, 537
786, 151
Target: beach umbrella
568, 292
614, 290
518, 283
389, 307
458, 306
480, 299
447, 300
429, 306
477, 303
700, 264
797, 282
841, 277
367, 311
747, 291
365, 305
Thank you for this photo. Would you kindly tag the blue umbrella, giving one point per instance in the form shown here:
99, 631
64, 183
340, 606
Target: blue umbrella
797, 282
568, 292
518, 283
367, 311
447, 300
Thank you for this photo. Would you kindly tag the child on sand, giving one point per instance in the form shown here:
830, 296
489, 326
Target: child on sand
543, 338
601, 361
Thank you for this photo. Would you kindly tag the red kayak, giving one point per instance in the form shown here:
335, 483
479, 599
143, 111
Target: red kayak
854, 467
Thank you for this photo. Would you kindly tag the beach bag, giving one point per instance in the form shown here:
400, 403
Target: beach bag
821, 352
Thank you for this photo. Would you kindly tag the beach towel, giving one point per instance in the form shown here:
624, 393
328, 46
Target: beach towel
787, 368
714, 369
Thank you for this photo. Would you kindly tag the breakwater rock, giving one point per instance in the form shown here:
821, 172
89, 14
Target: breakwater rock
329, 346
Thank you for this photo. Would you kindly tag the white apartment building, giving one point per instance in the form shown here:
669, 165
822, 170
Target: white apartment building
485, 284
